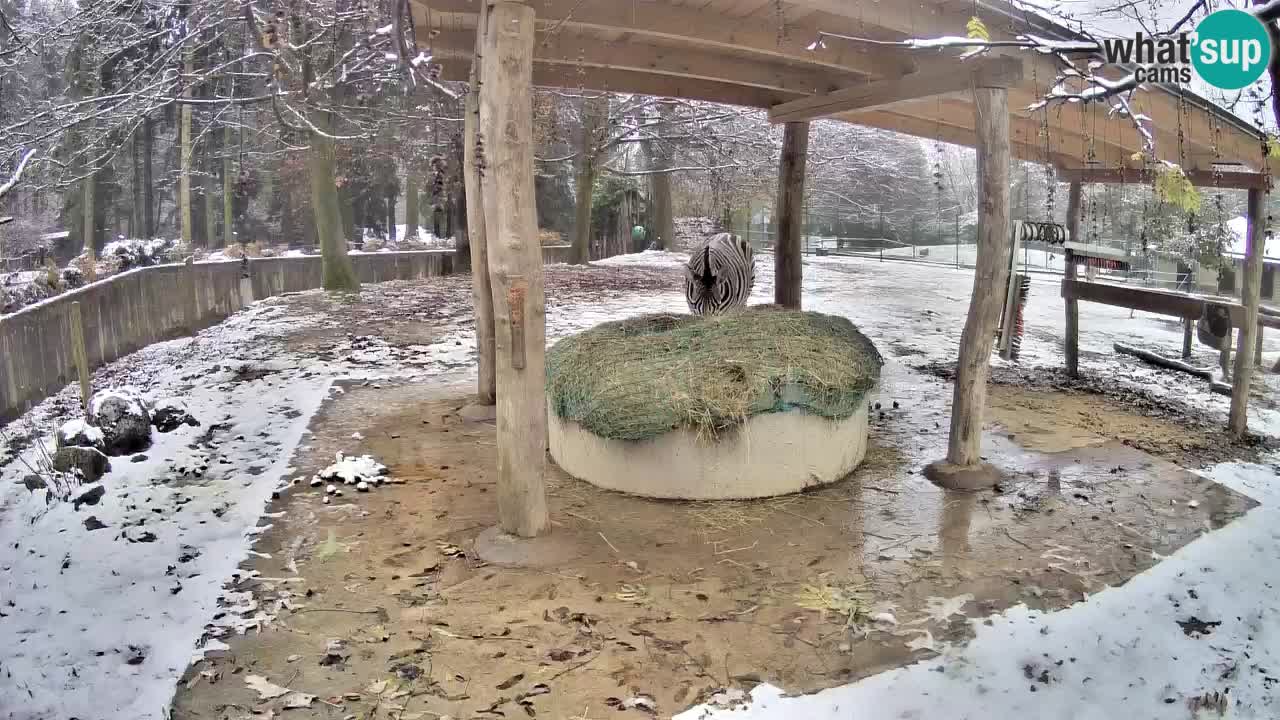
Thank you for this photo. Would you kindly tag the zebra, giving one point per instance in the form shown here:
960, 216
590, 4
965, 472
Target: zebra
719, 275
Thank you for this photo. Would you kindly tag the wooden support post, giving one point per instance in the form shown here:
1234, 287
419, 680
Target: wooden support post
1239, 419
515, 265
193, 322
481, 288
1257, 349
991, 272
1072, 335
1188, 327
787, 268
80, 357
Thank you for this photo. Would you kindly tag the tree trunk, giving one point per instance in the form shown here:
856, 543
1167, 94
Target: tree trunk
586, 180
1249, 291
991, 273
1072, 340
229, 235
88, 228
136, 217
184, 154
458, 223
410, 206
211, 237
346, 211
594, 115
481, 289
391, 216
148, 185
515, 265
664, 225
338, 274
788, 273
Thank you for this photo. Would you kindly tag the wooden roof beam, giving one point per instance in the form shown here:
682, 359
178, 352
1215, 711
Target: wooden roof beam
739, 36
575, 50
937, 79
1231, 179
627, 81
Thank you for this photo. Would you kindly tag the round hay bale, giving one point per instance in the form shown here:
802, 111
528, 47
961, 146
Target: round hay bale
753, 403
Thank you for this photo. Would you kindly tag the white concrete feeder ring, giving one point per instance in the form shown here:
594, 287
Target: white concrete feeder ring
769, 454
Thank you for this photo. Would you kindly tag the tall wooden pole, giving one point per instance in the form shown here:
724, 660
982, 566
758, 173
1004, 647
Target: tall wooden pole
787, 270
1072, 339
1239, 418
80, 358
481, 288
515, 266
991, 272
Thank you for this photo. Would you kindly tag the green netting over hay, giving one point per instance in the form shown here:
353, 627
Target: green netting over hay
642, 377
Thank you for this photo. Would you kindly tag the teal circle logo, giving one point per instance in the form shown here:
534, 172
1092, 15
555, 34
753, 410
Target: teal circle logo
1231, 49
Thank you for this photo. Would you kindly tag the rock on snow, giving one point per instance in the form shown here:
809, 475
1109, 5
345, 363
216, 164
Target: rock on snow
122, 416
88, 461
171, 413
78, 433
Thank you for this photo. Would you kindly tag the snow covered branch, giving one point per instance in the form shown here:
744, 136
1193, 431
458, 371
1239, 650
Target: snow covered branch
13, 180
667, 170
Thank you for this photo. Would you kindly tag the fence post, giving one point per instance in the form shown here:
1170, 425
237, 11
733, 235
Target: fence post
192, 305
79, 356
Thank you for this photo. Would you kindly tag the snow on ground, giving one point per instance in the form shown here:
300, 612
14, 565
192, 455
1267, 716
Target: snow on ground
1120, 653
1029, 258
652, 258
424, 236
101, 622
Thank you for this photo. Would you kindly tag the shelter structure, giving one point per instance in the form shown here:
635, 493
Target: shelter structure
772, 54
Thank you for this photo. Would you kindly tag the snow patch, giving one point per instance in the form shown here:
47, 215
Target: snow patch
80, 428
354, 470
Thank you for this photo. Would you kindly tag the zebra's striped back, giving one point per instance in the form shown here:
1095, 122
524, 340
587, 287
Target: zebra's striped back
720, 274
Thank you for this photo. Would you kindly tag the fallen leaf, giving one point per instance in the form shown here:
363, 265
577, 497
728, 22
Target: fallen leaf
633, 592
266, 690
298, 700
641, 702
450, 550
511, 681
269, 691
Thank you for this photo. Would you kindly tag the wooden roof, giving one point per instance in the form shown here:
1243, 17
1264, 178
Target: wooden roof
754, 53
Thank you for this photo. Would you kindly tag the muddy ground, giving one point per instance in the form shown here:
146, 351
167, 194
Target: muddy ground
669, 603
